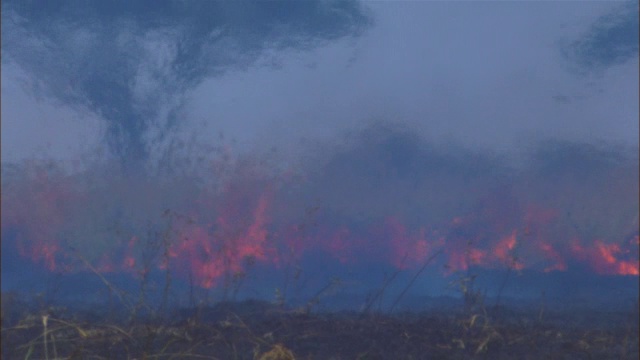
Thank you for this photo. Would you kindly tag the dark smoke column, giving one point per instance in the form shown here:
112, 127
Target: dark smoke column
133, 62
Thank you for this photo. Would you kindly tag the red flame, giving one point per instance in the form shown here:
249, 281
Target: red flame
603, 258
210, 250
236, 225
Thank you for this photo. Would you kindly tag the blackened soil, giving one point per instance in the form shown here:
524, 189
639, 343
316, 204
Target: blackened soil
259, 330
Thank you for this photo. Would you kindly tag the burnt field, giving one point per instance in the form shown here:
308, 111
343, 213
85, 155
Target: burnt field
453, 328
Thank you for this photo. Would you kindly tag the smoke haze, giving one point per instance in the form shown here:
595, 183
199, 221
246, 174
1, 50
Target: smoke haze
280, 144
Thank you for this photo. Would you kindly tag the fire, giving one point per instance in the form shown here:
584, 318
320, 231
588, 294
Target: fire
504, 251
208, 255
237, 224
130, 260
559, 263
604, 258
408, 248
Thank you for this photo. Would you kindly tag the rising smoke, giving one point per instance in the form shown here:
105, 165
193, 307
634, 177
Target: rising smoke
384, 200
359, 207
155, 57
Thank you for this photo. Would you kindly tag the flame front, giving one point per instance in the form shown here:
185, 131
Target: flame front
246, 219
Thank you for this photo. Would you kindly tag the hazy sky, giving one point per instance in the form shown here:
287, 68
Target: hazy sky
488, 74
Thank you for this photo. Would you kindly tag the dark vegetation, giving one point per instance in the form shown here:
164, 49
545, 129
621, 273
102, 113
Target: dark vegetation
261, 330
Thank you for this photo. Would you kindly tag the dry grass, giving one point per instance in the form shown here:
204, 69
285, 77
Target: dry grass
258, 330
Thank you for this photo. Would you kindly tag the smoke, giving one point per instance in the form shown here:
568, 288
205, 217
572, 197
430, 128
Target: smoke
336, 196
133, 64
611, 40
380, 201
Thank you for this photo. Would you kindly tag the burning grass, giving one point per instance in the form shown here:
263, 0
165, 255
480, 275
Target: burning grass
387, 210
260, 330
